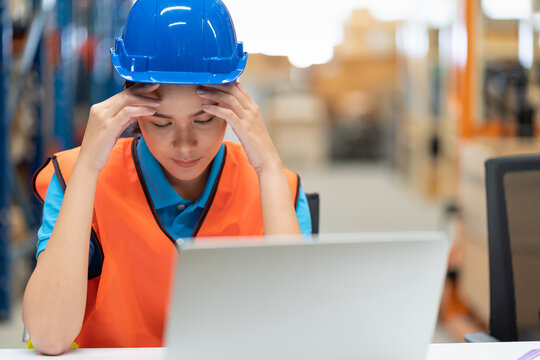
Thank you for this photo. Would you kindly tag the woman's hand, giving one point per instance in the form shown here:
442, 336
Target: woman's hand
108, 119
236, 106
240, 111
55, 297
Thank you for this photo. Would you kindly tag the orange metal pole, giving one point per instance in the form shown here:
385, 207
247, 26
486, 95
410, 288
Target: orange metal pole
468, 126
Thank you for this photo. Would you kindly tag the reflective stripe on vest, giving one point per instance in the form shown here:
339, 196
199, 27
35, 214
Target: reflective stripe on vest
128, 303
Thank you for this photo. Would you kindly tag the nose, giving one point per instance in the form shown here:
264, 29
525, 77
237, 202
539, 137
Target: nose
184, 140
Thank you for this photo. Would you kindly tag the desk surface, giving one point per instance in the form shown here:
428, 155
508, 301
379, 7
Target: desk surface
462, 351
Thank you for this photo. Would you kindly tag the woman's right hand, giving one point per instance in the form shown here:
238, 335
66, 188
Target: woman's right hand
108, 119
56, 294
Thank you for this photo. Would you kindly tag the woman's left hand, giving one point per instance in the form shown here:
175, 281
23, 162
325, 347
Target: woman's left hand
236, 106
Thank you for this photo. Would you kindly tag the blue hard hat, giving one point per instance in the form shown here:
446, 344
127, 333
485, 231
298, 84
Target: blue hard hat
179, 42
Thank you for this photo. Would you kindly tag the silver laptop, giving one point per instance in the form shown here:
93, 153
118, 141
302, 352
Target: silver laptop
355, 296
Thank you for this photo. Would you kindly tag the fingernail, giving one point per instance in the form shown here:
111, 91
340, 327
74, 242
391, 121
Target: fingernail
200, 91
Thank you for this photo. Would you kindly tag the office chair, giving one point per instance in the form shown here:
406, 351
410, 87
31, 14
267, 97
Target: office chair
313, 202
513, 209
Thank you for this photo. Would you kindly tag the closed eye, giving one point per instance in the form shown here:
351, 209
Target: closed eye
205, 122
161, 125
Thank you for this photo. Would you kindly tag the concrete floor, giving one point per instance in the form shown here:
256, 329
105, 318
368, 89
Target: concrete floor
11, 332
368, 197
359, 197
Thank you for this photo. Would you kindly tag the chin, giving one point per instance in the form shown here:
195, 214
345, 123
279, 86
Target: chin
186, 174
187, 178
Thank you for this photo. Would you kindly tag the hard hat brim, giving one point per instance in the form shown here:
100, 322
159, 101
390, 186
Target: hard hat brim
178, 78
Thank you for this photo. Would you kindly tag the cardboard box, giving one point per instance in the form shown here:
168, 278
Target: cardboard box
297, 122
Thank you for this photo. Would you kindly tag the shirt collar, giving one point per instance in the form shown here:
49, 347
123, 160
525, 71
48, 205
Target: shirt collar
162, 193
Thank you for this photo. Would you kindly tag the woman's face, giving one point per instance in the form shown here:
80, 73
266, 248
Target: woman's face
182, 137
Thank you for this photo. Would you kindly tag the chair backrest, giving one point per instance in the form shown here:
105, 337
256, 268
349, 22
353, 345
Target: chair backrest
513, 209
313, 202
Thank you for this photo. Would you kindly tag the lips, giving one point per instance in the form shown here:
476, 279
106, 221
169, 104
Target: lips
186, 163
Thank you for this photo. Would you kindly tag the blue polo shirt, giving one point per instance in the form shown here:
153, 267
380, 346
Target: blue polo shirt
178, 216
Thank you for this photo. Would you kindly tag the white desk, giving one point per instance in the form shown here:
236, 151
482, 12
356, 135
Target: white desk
479, 351
91, 354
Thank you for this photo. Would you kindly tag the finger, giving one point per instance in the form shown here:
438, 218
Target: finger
249, 102
131, 100
232, 89
226, 114
223, 98
114, 104
129, 113
142, 88
242, 90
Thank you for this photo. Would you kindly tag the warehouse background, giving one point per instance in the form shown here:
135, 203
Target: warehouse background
387, 111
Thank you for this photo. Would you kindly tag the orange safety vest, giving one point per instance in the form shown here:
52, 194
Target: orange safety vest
127, 305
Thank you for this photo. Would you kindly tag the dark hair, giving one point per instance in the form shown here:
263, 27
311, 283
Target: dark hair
133, 130
128, 84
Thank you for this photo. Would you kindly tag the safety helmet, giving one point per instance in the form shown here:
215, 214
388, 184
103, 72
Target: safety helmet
179, 42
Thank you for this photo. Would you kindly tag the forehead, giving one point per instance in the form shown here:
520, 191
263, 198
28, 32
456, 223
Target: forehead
178, 100
177, 92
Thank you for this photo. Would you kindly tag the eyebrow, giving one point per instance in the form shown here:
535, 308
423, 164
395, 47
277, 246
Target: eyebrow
162, 116
170, 117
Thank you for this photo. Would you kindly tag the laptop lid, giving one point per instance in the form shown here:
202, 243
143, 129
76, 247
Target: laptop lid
355, 296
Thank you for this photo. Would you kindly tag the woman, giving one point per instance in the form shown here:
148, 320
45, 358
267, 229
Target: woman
137, 198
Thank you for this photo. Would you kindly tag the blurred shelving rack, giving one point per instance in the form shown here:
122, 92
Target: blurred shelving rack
481, 135
57, 64
5, 71
467, 133
15, 71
